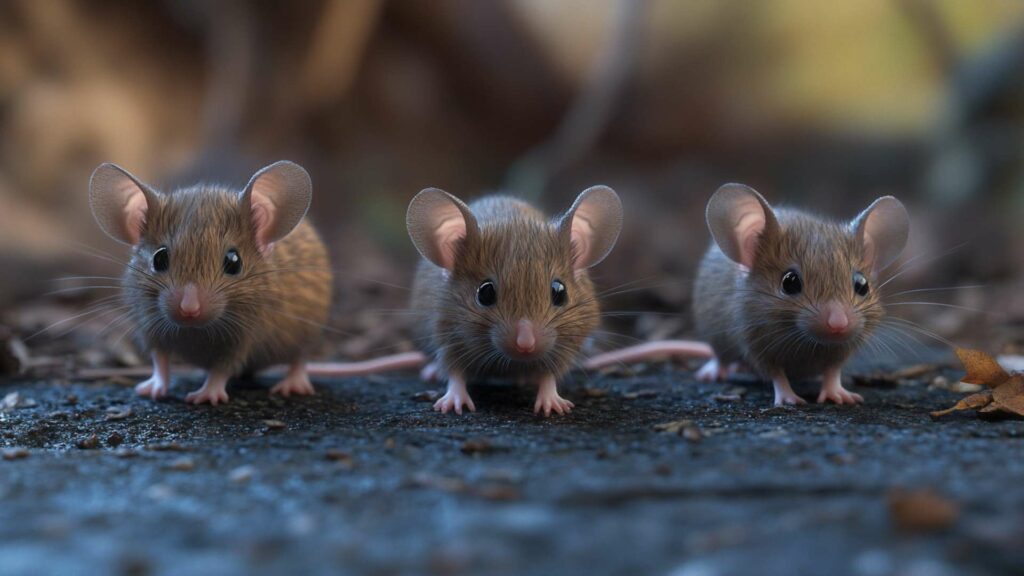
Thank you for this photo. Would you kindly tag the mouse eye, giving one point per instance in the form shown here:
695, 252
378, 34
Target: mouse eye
487, 294
860, 284
232, 262
558, 293
161, 259
791, 283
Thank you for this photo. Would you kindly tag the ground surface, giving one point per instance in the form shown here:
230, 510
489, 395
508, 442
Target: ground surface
365, 478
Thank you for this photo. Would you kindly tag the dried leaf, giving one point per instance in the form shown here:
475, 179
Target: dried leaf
981, 368
972, 402
922, 510
1010, 395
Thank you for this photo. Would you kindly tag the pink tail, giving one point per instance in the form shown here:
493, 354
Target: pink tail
403, 361
649, 350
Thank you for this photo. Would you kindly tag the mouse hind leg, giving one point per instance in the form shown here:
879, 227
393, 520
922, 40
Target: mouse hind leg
156, 386
717, 370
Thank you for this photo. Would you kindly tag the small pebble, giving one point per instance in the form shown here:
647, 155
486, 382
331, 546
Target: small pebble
184, 464
90, 443
15, 453
274, 424
242, 474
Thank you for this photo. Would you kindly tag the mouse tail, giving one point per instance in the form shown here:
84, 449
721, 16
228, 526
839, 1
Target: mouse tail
395, 362
648, 351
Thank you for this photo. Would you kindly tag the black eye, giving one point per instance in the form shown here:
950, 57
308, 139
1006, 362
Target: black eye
161, 259
232, 262
487, 294
558, 293
791, 283
860, 284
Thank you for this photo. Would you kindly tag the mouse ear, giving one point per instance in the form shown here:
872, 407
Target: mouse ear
592, 224
882, 229
120, 202
277, 197
738, 217
437, 222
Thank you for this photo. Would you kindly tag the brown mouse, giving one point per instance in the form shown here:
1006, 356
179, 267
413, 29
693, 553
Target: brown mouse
789, 293
504, 291
228, 280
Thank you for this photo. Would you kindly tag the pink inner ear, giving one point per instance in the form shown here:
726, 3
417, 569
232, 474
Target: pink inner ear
446, 236
868, 259
748, 229
135, 216
262, 219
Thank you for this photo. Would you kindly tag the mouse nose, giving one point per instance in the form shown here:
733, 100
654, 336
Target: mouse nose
190, 307
835, 319
526, 337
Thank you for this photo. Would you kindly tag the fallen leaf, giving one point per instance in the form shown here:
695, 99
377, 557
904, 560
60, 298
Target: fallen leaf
15, 453
184, 464
1005, 396
476, 447
922, 510
685, 428
981, 368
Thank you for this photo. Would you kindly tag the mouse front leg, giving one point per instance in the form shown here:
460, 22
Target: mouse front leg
784, 395
156, 386
456, 397
213, 390
295, 382
832, 389
548, 398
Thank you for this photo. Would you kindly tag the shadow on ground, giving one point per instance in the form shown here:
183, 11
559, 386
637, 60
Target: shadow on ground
365, 478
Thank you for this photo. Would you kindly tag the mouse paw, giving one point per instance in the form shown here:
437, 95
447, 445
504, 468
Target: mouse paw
788, 399
212, 392
296, 382
155, 387
454, 400
549, 401
839, 395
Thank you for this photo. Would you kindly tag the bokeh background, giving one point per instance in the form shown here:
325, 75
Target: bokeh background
821, 105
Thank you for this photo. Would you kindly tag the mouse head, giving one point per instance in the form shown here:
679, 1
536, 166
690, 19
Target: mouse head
199, 253
814, 274
517, 293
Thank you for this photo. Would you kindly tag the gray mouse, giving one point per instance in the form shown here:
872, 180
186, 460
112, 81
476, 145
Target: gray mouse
228, 280
501, 292
786, 292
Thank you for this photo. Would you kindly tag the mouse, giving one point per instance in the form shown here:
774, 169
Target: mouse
227, 280
786, 292
501, 291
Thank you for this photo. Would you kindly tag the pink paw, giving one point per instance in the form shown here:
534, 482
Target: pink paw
788, 399
298, 385
213, 396
155, 388
839, 395
551, 401
454, 400
430, 372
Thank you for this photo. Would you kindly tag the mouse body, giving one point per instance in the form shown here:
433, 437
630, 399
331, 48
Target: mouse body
503, 291
789, 293
228, 280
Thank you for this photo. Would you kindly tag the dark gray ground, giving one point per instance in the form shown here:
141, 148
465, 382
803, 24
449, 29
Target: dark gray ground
364, 478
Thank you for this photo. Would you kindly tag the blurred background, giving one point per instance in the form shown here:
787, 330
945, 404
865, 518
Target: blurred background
821, 105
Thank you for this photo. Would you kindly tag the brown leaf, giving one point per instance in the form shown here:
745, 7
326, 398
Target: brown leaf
981, 368
1010, 395
972, 402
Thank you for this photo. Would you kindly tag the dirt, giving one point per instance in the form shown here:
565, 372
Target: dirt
650, 474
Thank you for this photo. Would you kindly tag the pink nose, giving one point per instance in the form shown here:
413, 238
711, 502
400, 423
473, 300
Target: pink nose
190, 306
526, 340
837, 321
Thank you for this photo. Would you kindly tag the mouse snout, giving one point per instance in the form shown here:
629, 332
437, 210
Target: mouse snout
190, 305
526, 337
523, 340
835, 321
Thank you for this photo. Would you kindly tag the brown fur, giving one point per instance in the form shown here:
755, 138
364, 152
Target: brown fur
522, 253
747, 317
271, 312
